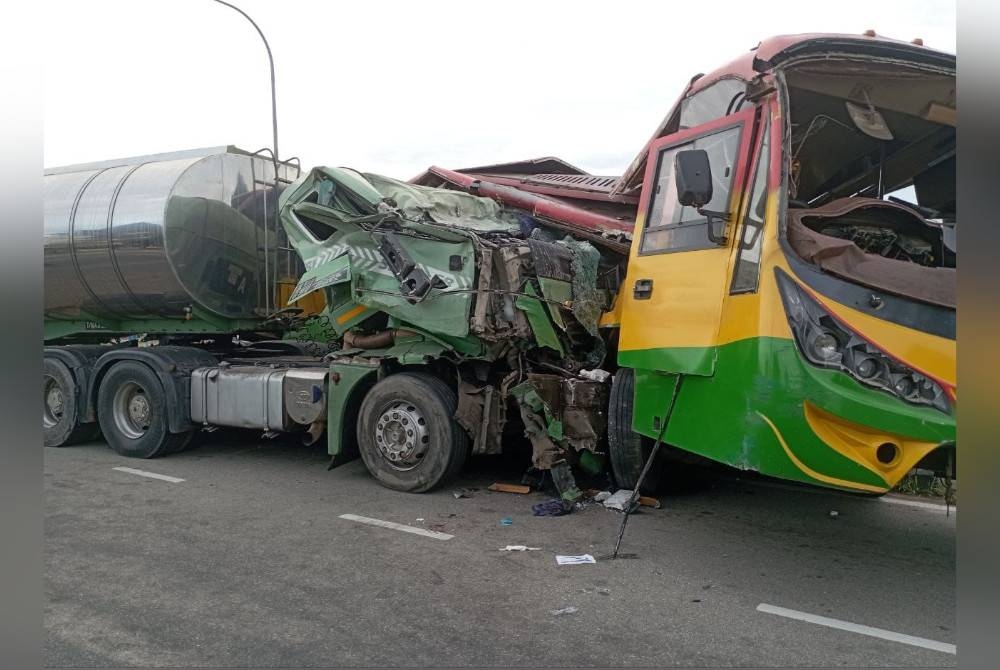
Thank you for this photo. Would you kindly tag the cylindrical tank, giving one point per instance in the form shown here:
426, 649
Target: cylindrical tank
149, 237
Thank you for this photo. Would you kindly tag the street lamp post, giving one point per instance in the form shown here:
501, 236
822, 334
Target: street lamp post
270, 59
274, 154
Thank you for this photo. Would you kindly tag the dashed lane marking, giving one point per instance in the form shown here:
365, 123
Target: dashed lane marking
151, 475
860, 629
397, 526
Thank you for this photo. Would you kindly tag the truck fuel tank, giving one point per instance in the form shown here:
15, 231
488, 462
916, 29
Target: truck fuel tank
265, 397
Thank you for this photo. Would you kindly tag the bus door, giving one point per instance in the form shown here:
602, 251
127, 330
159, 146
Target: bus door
677, 273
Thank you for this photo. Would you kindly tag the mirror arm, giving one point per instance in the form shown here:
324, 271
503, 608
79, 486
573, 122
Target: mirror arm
710, 217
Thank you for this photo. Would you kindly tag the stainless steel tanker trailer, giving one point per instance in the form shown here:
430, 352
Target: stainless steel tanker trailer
412, 324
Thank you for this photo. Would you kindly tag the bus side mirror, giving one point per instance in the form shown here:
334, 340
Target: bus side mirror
693, 176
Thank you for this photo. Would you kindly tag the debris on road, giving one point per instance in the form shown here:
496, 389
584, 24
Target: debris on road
834, 514
618, 500
519, 547
596, 375
575, 560
647, 501
601, 496
565, 610
509, 488
506, 521
554, 507
463, 493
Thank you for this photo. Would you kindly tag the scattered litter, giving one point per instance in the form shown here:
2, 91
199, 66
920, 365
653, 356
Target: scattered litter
509, 488
601, 496
596, 375
604, 592
554, 507
575, 560
506, 521
464, 493
519, 547
646, 501
834, 514
564, 610
420, 519
618, 500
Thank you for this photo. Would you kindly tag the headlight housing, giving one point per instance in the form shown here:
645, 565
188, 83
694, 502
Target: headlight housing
826, 342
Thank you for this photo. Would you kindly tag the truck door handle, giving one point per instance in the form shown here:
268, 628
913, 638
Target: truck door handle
643, 289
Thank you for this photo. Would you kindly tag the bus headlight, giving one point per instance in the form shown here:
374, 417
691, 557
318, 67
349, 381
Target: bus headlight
827, 342
825, 346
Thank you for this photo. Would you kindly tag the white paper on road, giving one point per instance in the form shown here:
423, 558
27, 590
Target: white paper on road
575, 560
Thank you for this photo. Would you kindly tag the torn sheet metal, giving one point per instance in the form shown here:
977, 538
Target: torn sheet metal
415, 275
335, 272
483, 413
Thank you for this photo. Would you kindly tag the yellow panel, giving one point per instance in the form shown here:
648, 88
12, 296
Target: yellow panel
859, 443
312, 303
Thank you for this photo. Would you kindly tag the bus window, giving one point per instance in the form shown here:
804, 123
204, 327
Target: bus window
748, 261
672, 227
713, 102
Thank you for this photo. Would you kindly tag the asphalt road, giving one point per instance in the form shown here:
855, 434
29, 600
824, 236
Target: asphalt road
246, 562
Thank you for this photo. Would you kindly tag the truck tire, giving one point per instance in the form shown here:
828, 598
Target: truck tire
60, 420
628, 450
132, 411
407, 434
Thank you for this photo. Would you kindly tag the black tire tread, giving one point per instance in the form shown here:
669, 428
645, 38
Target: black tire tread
158, 441
439, 392
80, 432
628, 450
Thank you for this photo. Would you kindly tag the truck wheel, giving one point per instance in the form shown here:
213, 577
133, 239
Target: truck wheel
60, 423
132, 410
628, 450
407, 434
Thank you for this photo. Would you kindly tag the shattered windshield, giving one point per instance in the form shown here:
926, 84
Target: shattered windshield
871, 188
866, 130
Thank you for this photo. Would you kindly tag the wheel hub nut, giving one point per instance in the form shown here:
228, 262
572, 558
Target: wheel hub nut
54, 399
138, 409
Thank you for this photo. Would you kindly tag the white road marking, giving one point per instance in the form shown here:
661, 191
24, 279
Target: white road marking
858, 628
916, 503
397, 526
151, 475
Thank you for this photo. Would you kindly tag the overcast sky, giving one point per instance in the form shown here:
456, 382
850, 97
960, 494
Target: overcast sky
393, 87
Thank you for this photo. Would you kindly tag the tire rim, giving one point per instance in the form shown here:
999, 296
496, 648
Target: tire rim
401, 436
131, 410
54, 402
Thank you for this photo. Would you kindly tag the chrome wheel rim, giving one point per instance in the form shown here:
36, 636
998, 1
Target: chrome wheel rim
132, 411
54, 402
401, 436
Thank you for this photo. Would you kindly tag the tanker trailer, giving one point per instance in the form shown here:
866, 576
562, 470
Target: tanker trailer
179, 243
